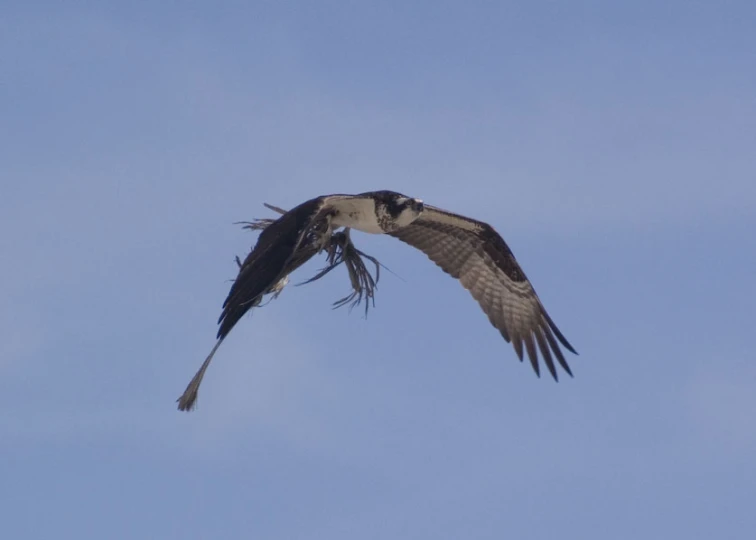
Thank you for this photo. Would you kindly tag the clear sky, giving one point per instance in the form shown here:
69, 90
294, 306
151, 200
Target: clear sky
613, 145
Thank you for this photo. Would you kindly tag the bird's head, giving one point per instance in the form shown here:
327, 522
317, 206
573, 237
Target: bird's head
402, 210
394, 210
406, 210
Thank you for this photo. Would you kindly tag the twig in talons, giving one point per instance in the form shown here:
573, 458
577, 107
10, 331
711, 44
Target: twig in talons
339, 249
256, 225
274, 208
259, 224
362, 281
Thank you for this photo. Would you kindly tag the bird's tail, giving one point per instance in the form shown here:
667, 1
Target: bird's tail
188, 399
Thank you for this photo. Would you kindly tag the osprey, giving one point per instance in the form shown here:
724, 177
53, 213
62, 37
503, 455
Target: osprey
468, 250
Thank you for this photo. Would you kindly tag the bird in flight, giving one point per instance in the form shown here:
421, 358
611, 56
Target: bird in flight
469, 250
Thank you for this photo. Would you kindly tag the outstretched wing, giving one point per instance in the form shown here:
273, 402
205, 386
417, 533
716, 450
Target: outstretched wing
474, 253
278, 252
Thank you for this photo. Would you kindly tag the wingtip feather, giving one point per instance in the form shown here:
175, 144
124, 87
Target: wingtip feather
532, 354
546, 353
560, 337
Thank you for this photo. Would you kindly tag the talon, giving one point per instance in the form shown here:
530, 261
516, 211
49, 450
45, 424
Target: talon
338, 249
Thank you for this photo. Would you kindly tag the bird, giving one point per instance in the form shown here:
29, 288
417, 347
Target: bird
467, 249
290, 241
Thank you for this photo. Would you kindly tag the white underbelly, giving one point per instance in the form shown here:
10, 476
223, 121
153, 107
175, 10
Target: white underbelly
358, 214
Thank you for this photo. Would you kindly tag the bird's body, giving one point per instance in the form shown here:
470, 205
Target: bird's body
357, 214
469, 250
293, 239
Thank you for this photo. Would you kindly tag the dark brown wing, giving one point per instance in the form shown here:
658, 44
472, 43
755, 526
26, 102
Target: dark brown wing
276, 254
478, 257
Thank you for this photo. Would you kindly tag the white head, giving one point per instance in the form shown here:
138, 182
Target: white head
394, 210
406, 210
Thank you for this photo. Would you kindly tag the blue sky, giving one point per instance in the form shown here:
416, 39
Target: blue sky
611, 145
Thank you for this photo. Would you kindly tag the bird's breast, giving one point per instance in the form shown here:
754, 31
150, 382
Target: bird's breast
358, 215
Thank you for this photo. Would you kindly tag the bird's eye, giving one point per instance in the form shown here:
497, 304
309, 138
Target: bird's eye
417, 205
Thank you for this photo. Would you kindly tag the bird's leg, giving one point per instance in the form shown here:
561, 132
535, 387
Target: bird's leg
363, 283
342, 250
324, 238
335, 247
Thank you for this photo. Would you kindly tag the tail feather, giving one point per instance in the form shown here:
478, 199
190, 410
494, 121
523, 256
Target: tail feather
188, 399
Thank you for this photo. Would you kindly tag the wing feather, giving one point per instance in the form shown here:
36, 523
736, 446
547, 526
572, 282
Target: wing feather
474, 253
545, 351
277, 253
